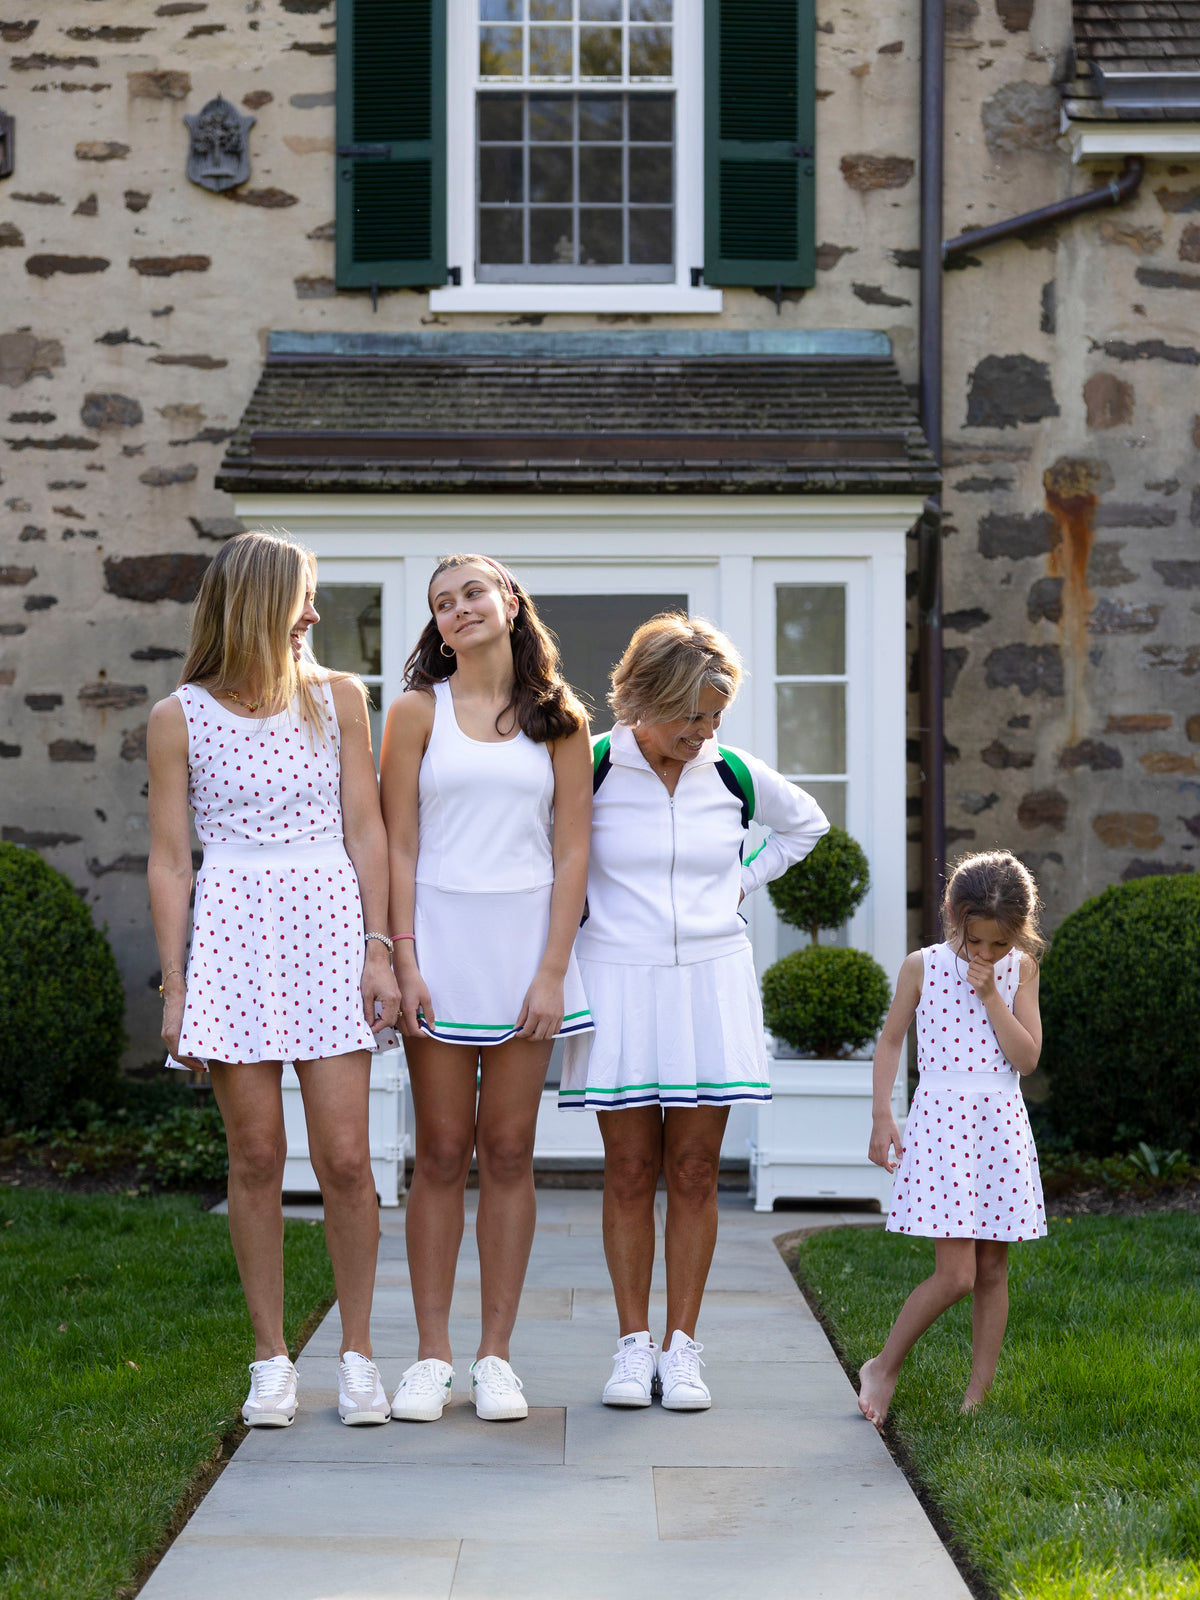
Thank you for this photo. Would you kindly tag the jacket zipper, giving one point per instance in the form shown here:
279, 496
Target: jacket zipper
671, 880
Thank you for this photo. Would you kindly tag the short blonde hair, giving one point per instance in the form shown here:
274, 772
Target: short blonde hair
666, 664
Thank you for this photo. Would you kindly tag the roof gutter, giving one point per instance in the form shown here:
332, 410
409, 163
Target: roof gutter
1112, 193
929, 529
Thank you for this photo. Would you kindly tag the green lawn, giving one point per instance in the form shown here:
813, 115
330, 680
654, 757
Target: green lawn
1080, 1477
124, 1341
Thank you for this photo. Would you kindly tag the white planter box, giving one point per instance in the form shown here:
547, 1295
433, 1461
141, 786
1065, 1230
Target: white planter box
387, 1123
810, 1141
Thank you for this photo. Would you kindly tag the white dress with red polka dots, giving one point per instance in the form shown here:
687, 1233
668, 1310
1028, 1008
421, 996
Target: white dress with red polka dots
969, 1168
277, 929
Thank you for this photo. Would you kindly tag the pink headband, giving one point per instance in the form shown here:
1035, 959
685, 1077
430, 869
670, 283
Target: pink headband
503, 573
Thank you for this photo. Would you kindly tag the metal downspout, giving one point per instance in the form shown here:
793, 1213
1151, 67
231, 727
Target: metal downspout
1113, 193
929, 530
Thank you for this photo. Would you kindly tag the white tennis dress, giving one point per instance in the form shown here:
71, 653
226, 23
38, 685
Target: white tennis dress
969, 1168
277, 930
485, 874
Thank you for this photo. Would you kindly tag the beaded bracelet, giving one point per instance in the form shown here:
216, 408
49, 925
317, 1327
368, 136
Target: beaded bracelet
383, 939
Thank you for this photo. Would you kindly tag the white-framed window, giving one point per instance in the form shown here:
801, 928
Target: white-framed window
359, 630
575, 156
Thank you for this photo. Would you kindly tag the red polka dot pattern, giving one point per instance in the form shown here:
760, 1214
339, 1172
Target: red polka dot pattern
969, 1168
277, 930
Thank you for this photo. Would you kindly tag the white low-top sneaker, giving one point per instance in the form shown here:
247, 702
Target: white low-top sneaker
632, 1381
683, 1389
423, 1392
271, 1402
496, 1391
361, 1395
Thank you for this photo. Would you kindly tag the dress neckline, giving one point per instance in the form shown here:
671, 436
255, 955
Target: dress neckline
485, 743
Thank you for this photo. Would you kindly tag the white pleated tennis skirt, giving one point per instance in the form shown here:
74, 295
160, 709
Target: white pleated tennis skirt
478, 954
669, 1036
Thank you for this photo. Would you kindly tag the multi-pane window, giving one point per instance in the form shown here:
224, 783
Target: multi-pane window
810, 691
575, 172
349, 638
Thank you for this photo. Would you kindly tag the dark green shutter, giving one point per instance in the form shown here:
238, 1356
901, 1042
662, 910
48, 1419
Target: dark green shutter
759, 104
391, 137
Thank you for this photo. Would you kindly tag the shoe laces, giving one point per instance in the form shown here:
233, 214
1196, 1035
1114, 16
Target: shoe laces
495, 1373
630, 1362
685, 1362
359, 1375
271, 1378
421, 1381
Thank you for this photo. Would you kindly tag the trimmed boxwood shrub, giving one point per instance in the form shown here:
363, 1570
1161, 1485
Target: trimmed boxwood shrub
824, 889
826, 999
1120, 994
62, 1007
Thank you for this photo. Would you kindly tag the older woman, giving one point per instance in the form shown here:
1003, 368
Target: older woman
670, 977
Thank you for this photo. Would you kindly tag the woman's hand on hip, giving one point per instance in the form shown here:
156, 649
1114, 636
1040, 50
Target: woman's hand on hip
542, 1011
380, 991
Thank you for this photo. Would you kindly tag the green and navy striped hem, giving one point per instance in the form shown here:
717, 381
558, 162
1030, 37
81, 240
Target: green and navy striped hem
490, 1033
664, 1094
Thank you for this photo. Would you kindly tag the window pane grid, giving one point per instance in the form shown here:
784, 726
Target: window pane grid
573, 187
614, 42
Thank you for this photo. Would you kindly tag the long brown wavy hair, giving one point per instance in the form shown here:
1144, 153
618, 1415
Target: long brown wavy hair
249, 599
543, 702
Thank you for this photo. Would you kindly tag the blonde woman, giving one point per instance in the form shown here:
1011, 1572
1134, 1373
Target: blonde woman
670, 978
286, 963
486, 784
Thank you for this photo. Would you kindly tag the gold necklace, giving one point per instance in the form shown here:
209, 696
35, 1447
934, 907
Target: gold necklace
250, 705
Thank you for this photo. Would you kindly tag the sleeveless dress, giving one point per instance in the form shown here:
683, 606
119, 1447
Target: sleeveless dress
969, 1168
277, 930
484, 877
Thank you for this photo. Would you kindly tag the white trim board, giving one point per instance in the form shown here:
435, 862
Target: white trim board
1099, 141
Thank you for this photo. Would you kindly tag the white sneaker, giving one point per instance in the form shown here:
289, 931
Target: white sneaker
632, 1382
271, 1402
424, 1391
496, 1391
679, 1365
361, 1396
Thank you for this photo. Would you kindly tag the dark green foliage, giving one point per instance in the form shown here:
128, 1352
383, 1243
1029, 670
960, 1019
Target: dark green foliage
823, 890
1120, 997
825, 999
171, 1138
61, 1004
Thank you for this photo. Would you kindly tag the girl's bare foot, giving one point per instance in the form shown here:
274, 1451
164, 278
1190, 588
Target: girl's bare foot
975, 1396
874, 1392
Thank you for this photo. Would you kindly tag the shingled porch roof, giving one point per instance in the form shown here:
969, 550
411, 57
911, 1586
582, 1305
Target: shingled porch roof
580, 413
1135, 60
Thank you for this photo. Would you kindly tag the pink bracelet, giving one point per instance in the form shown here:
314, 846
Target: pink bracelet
396, 937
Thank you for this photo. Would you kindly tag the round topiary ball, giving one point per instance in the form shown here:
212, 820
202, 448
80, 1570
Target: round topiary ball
62, 1007
826, 1000
1120, 1000
823, 890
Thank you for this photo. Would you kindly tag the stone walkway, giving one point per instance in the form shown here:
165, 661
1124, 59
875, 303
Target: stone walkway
780, 1492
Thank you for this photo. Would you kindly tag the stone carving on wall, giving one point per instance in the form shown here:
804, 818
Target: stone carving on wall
219, 155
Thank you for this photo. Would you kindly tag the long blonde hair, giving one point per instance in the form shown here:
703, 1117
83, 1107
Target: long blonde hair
249, 600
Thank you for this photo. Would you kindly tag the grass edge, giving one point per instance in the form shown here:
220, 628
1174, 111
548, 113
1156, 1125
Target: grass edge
981, 1587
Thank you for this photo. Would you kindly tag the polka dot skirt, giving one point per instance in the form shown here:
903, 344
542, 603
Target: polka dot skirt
277, 929
969, 1168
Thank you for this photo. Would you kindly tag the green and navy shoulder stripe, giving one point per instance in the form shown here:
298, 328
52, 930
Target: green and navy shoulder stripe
730, 768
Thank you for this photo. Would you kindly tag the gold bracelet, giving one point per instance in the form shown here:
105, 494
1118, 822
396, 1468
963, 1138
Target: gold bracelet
169, 973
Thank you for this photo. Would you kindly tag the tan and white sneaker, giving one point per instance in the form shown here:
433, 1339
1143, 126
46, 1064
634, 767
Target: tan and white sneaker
423, 1392
361, 1396
496, 1391
271, 1402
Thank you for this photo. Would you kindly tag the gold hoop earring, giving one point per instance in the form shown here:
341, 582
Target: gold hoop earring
442, 648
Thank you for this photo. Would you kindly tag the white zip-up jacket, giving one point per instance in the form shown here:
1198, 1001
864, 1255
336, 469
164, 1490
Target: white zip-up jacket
666, 870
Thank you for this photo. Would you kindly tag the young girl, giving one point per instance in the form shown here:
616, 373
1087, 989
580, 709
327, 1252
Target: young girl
968, 1175
288, 957
487, 794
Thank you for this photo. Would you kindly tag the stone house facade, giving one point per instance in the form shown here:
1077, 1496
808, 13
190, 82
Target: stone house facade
143, 317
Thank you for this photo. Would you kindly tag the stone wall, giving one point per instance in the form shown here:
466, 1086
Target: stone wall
132, 330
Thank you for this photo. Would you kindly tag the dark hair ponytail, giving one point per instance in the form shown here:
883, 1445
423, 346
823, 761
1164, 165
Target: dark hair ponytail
544, 704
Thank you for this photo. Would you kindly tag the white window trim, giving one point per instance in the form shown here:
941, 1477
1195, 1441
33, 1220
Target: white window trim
1100, 141
461, 87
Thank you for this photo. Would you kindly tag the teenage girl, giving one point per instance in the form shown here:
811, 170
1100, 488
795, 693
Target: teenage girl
487, 794
288, 958
968, 1175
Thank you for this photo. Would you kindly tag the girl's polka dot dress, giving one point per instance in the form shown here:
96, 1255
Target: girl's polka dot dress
277, 929
969, 1168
